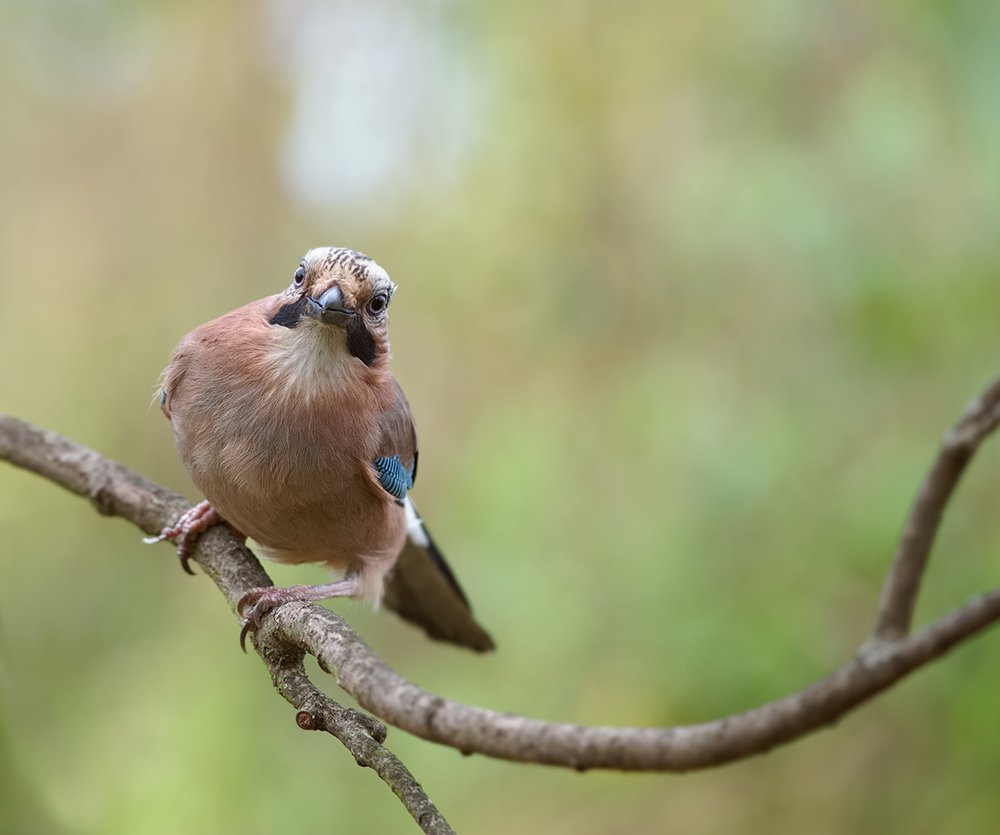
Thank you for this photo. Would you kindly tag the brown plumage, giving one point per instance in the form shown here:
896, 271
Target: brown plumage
281, 409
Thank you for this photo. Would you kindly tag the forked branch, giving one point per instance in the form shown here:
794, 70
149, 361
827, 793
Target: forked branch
298, 628
899, 593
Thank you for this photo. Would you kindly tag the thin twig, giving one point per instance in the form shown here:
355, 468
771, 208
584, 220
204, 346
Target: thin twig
385, 693
361, 735
296, 628
902, 584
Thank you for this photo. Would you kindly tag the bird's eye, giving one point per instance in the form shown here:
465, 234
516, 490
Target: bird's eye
300, 275
378, 303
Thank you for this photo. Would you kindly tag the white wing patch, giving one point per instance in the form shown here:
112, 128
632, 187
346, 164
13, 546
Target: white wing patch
415, 527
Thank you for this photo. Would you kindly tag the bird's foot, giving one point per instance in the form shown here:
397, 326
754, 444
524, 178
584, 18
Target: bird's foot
187, 529
258, 602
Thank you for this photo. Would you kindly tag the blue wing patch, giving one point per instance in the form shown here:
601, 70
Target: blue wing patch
393, 476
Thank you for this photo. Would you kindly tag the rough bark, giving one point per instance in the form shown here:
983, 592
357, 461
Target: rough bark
293, 630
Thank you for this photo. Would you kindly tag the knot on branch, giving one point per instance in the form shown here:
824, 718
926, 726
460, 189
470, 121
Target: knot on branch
306, 720
324, 714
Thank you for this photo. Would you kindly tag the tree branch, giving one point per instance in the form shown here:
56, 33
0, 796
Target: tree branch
361, 735
899, 593
115, 490
297, 628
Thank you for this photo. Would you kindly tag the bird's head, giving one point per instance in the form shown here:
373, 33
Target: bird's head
342, 289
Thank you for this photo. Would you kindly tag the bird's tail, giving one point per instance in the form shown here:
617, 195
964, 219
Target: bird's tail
423, 590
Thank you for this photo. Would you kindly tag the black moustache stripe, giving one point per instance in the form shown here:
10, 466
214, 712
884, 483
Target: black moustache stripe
289, 315
360, 342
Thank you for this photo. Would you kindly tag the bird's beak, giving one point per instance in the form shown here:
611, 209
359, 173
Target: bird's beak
330, 308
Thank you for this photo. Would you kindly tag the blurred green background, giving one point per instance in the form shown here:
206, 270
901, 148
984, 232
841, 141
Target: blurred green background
688, 293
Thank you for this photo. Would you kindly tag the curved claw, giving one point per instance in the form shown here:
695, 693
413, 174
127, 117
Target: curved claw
187, 529
247, 628
262, 600
182, 554
259, 606
251, 597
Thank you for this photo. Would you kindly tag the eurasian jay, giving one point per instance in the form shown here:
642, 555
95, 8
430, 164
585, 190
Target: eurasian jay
289, 421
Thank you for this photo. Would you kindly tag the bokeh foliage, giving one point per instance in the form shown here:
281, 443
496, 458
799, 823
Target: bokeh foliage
688, 292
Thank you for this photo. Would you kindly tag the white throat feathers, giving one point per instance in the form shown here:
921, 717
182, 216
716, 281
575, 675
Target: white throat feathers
312, 359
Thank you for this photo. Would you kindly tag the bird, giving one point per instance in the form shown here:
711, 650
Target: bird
289, 421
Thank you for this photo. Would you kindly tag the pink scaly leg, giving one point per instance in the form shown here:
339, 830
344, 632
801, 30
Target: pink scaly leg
187, 529
263, 600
